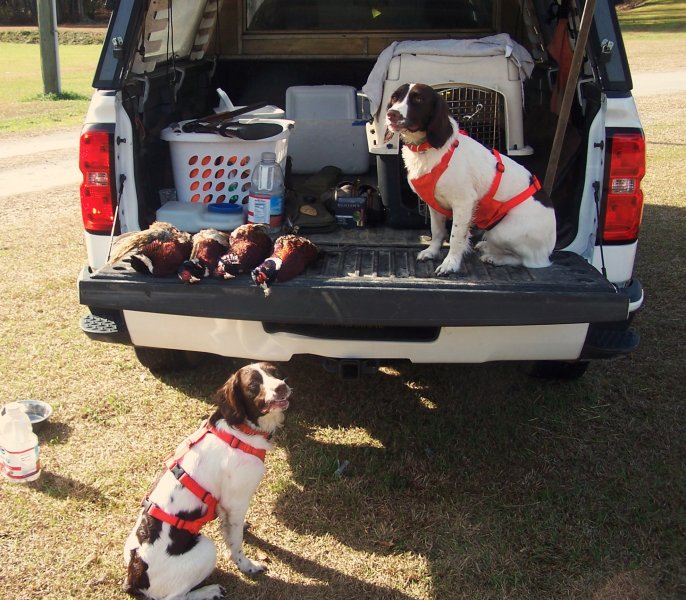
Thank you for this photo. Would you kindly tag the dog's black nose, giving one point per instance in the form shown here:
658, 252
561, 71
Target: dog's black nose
393, 116
282, 390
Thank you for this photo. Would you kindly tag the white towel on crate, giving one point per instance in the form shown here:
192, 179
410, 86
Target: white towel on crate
486, 46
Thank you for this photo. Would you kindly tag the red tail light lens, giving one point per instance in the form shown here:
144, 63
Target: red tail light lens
97, 189
624, 198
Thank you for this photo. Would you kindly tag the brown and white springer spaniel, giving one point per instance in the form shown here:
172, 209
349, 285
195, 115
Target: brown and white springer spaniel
464, 181
214, 472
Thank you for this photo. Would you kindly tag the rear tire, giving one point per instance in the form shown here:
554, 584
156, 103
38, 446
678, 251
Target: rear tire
558, 369
166, 360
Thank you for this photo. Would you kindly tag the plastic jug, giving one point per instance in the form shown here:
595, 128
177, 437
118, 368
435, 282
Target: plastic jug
19, 459
267, 193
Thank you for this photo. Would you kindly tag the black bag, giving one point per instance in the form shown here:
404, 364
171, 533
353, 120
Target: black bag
307, 214
307, 210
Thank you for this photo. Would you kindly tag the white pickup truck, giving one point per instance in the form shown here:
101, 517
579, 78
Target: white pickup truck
366, 300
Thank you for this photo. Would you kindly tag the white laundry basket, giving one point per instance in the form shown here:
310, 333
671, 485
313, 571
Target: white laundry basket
210, 168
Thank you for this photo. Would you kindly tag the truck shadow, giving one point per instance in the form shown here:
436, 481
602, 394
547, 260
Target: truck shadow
494, 480
476, 469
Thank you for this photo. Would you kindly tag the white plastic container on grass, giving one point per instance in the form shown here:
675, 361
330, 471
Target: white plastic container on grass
18, 445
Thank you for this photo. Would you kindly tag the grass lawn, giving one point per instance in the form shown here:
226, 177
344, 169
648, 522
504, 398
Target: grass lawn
22, 106
655, 35
469, 482
653, 16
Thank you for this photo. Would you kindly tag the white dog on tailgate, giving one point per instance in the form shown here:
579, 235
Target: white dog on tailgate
464, 181
214, 472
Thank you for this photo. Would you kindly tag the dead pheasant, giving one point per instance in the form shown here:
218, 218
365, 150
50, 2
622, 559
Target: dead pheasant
249, 245
208, 246
158, 250
292, 254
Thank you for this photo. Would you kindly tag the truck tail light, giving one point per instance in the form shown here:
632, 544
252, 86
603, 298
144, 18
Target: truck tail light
98, 193
623, 195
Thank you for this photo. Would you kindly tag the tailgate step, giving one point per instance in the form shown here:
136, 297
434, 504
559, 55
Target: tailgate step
608, 342
106, 326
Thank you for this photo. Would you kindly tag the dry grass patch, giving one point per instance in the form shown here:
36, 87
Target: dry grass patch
646, 51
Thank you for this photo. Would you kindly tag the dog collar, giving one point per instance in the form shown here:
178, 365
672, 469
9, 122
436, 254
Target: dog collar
423, 147
252, 431
234, 442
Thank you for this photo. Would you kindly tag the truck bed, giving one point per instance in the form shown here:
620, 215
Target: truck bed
370, 278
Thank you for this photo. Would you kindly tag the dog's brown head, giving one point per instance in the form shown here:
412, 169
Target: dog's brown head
416, 110
255, 393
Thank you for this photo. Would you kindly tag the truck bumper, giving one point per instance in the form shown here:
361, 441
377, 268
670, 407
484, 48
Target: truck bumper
250, 340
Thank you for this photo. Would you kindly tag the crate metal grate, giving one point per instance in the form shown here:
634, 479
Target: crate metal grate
479, 111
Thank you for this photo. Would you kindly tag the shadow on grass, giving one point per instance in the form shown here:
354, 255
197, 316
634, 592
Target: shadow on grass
335, 584
63, 488
204, 380
54, 432
503, 485
500, 482
55, 97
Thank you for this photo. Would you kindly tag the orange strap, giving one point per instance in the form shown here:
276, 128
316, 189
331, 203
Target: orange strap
155, 511
425, 186
234, 442
173, 464
489, 211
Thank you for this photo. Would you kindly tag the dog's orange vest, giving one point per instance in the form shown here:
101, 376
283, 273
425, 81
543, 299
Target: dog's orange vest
173, 464
489, 211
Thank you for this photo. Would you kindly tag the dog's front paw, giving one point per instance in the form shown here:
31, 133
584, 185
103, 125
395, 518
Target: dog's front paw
211, 592
249, 567
208, 592
219, 593
485, 254
428, 254
449, 265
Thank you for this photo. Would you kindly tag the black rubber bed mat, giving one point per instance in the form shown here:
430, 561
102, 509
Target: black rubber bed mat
376, 285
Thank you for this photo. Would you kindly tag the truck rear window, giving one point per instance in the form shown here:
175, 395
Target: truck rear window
368, 15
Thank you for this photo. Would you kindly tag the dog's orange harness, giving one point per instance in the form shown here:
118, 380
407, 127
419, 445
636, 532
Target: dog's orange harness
489, 211
173, 463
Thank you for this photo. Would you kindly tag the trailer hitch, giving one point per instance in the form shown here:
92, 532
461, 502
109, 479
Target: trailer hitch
350, 368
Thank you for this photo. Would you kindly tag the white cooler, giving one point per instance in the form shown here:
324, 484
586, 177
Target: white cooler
329, 129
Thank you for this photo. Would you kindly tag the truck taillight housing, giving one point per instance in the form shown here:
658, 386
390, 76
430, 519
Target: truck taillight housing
623, 195
98, 192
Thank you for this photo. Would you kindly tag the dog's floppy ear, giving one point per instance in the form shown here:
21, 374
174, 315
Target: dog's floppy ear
230, 400
439, 129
